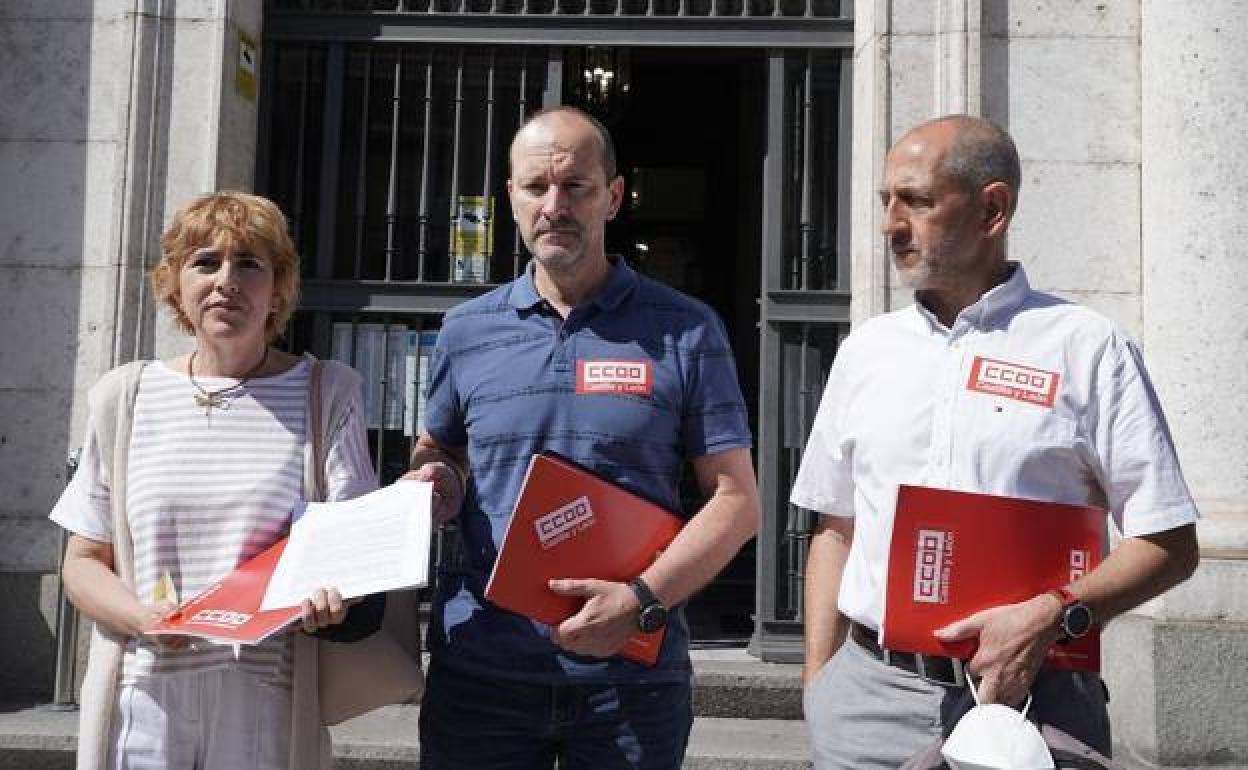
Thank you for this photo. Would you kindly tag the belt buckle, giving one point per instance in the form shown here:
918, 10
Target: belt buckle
959, 671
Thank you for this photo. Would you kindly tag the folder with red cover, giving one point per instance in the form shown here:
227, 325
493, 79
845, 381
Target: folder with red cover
229, 610
955, 553
569, 522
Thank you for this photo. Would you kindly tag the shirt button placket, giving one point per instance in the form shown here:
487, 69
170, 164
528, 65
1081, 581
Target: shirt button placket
946, 400
562, 361
956, 395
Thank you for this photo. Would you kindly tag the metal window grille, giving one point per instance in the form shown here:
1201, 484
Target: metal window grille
713, 8
804, 313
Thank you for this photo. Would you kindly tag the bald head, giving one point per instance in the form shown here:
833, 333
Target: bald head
974, 152
564, 116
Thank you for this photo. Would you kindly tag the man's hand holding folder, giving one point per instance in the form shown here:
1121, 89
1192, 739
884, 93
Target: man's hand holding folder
605, 622
1013, 643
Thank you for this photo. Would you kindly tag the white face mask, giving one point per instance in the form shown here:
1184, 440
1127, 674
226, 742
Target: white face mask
995, 737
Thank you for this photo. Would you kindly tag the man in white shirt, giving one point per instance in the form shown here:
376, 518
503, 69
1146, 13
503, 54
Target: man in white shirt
908, 402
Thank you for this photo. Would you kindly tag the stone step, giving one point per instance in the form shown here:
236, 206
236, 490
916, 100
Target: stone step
39, 739
734, 684
747, 716
386, 740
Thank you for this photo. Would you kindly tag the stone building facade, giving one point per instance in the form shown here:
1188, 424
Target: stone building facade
1127, 114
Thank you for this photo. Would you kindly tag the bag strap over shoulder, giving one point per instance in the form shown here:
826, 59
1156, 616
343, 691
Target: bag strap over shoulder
330, 387
315, 485
112, 414
112, 400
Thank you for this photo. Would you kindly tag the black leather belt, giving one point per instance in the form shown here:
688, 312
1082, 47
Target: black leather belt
945, 671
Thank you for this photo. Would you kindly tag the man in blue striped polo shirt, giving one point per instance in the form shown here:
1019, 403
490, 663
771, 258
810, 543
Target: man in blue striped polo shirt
509, 378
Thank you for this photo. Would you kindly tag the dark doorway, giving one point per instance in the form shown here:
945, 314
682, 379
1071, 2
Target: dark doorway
689, 136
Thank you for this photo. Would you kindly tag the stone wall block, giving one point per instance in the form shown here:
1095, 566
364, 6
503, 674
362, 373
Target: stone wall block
913, 82
1218, 592
34, 442
193, 117
1128, 666
31, 542
868, 272
1177, 692
96, 327
39, 59
39, 323
64, 80
64, 10
63, 217
238, 129
248, 15
1076, 228
1122, 308
1075, 99
1064, 18
1194, 185
198, 10
70, 343
915, 17
197, 51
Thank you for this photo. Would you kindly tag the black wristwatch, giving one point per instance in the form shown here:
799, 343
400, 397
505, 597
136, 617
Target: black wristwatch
652, 615
1076, 619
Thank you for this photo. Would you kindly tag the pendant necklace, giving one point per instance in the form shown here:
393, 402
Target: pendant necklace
220, 398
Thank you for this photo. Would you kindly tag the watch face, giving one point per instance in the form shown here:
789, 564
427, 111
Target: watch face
1077, 620
652, 618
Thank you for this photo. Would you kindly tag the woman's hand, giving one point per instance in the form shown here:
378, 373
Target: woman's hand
99, 594
324, 608
150, 615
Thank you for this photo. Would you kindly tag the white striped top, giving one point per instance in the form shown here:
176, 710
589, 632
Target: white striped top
208, 490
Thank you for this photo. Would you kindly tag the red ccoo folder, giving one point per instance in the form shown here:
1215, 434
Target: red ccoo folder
955, 553
229, 611
570, 523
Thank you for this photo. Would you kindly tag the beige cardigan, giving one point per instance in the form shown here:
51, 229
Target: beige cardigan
112, 402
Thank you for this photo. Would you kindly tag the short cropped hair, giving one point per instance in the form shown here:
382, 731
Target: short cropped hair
604, 136
254, 223
982, 153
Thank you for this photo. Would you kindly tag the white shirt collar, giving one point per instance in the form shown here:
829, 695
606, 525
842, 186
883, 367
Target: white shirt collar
996, 304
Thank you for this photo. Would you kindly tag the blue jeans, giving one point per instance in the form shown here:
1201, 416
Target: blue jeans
468, 722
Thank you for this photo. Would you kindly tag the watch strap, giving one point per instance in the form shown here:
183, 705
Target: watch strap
1064, 596
1070, 603
645, 597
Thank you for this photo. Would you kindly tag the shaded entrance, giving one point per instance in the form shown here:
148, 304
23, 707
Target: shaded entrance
384, 129
688, 136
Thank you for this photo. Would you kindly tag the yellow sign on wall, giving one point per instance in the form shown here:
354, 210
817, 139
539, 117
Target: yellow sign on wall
473, 240
245, 68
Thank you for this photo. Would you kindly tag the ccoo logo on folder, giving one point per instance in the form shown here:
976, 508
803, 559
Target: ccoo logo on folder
569, 522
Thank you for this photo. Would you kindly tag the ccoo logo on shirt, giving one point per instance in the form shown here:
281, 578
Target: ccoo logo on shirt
631, 378
1023, 383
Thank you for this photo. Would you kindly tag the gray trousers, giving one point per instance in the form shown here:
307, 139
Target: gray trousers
865, 715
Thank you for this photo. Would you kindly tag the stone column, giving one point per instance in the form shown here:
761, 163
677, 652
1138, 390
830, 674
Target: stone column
913, 60
209, 138
1180, 664
113, 112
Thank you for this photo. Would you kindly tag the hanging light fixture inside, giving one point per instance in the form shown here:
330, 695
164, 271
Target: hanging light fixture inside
600, 81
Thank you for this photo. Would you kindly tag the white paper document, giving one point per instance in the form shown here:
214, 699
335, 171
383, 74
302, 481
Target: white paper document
378, 542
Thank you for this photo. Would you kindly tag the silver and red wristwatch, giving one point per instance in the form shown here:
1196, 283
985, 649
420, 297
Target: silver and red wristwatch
1076, 618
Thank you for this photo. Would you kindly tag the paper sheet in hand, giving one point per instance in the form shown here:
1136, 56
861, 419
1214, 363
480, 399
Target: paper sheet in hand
374, 543
378, 542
